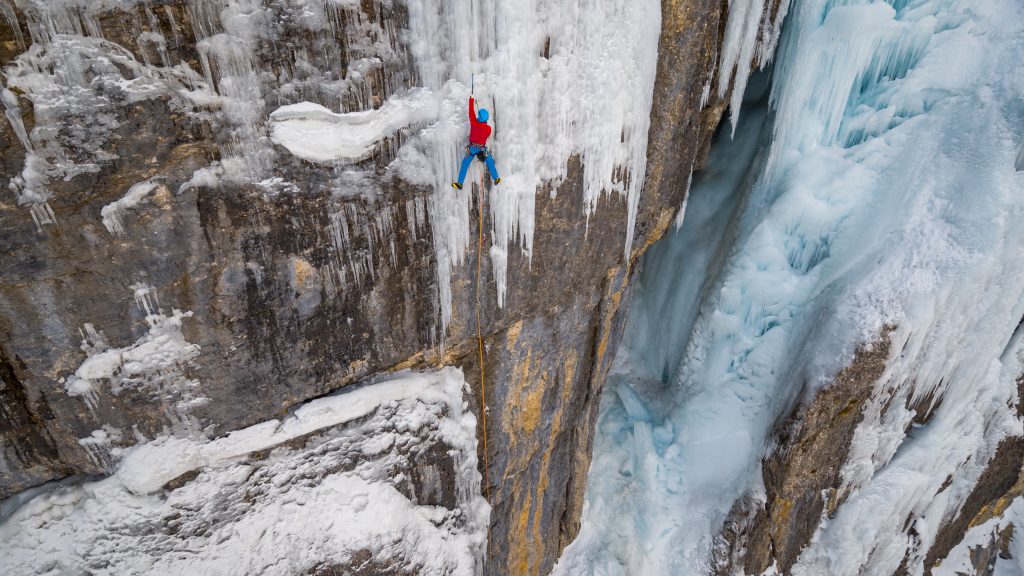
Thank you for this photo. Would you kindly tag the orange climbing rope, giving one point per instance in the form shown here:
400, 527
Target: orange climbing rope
480, 340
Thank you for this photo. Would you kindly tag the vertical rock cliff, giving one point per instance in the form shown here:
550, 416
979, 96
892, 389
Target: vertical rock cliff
185, 254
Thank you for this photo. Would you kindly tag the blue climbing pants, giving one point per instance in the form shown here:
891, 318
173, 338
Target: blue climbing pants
483, 155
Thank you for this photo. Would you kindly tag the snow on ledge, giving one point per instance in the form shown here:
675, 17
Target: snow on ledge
371, 475
314, 133
148, 467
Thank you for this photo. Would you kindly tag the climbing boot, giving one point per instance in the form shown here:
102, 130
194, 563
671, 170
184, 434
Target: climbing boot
456, 185
497, 180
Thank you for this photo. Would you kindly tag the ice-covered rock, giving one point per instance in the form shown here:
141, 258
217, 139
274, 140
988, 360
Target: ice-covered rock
380, 479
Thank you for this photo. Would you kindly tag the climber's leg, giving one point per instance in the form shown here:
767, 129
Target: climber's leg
492, 169
463, 169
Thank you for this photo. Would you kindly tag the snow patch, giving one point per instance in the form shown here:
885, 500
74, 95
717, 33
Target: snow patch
312, 132
336, 496
958, 561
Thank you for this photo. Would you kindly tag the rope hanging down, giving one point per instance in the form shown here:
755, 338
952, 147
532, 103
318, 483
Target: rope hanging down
480, 342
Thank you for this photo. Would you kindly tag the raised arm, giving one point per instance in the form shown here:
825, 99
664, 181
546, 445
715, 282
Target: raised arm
472, 110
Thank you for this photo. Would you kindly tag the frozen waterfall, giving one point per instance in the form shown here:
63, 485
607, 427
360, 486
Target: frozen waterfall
878, 190
554, 92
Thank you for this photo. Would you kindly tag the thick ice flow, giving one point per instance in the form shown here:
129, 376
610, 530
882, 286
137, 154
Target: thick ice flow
671, 455
554, 91
888, 196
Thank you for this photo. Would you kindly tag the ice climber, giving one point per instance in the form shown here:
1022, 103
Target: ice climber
479, 132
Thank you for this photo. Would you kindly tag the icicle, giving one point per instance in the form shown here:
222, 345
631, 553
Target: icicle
7, 11
227, 59
146, 298
100, 444
113, 212
681, 215
13, 113
531, 80
750, 41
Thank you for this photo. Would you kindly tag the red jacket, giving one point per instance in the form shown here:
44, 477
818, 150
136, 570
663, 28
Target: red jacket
479, 132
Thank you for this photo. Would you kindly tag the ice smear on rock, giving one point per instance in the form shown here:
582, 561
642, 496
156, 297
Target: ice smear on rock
101, 444
76, 85
155, 364
342, 497
888, 197
113, 212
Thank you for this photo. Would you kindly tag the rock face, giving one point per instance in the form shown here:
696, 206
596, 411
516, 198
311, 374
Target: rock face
127, 231
804, 485
802, 475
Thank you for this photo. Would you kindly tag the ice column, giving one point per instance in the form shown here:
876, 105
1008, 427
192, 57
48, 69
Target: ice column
561, 79
226, 36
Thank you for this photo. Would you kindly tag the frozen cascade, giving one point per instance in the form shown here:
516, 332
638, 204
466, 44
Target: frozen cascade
749, 43
887, 197
645, 469
553, 91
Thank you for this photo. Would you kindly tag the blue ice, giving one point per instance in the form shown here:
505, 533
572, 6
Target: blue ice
863, 194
